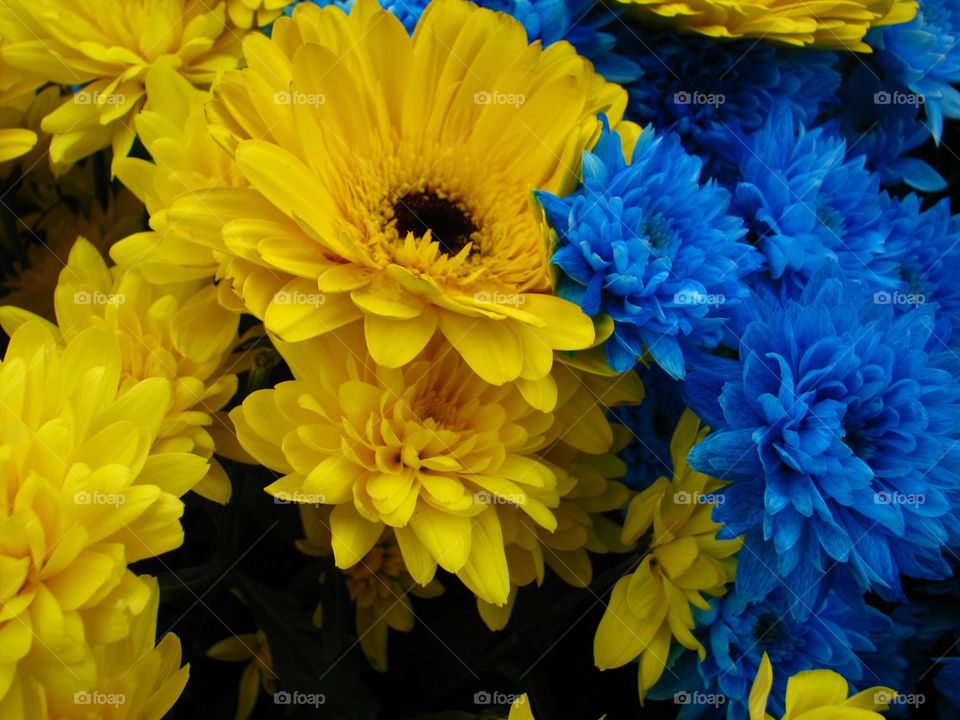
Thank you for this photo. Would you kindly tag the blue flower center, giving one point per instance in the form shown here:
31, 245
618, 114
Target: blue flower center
830, 218
856, 437
658, 232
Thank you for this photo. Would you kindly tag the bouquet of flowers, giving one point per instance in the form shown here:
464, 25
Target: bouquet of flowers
533, 358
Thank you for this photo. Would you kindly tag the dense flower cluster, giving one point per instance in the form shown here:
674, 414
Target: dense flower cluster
542, 312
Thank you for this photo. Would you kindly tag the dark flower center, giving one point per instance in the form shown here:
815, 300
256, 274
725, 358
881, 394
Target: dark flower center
449, 224
856, 437
659, 233
770, 632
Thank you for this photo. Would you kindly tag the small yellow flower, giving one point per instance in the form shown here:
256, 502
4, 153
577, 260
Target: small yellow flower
81, 495
419, 449
833, 24
136, 680
682, 561
817, 695
177, 332
258, 673
110, 48
379, 585
407, 208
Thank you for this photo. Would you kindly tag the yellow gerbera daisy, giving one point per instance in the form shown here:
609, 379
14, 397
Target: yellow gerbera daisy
833, 24
416, 448
817, 694
110, 48
682, 561
388, 178
136, 680
379, 585
178, 332
82, 496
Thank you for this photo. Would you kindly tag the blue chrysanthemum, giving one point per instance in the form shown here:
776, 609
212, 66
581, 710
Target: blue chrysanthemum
807, 204
579, 22
651, 425
833, 635
838, 431
883, 130
711, 92
923, 56
925, 246
650, 246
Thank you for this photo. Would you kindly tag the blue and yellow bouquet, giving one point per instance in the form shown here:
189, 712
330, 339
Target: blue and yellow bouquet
425, 359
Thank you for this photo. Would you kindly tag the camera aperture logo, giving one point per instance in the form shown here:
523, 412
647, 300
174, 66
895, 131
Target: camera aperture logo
897, 97
296, 697
83, 297
695, 97
484, 497
899, 298
498, 98
85, 97
682, 497
296, 97
285, 297
699, 698
499, 298
300, 498
485, 697
96, 697
96, 497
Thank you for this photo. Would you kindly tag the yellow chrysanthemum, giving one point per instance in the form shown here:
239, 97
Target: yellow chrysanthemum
258, 673
254, 13
136, 680
110, 48
177, 332
817, 695
49, 232
682, 561
418, 448
387, 178
580, 452
833, 24
379, 585
82, 496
